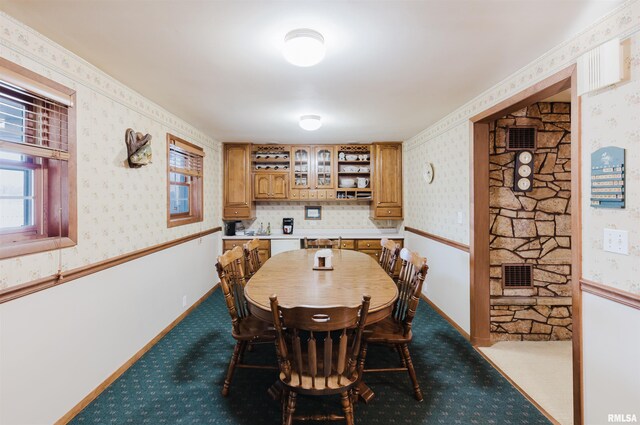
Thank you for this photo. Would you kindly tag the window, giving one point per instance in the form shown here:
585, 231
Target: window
185, 181
37, 163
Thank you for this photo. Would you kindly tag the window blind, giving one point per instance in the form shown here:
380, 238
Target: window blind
32, 124
185, 158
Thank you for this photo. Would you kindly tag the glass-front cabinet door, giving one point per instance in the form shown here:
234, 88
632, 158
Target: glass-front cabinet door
324, 167
301, 170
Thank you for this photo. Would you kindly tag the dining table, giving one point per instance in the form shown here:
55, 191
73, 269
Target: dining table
291, 276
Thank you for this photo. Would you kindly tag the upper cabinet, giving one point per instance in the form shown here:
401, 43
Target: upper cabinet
354, 172
238, 202
323, 167
271, 186
349, 172
301, 167
313, 173
387, 175
271, 167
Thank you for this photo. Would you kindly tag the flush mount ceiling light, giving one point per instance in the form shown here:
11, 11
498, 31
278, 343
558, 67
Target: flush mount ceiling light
303, 47
310, 122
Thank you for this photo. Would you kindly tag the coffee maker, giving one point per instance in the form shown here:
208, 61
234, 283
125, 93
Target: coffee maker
230, 228
287, 225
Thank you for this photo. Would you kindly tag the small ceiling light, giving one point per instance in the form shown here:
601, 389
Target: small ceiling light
303, 47
310, 122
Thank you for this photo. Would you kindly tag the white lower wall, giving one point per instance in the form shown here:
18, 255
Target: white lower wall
447, 282
611, 353
59, 344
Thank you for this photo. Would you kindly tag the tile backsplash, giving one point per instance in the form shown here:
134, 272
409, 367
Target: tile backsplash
335, 215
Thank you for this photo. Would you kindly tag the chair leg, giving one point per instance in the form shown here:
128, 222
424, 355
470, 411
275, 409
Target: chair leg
283, 404
246, 346
401, 354
232, 366
412, 372
356, 390
347, 407
290, 409
363, 357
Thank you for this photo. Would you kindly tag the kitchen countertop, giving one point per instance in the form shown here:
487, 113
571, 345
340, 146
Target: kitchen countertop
331, 234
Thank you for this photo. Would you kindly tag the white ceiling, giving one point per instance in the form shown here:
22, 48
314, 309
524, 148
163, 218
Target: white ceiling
392, 67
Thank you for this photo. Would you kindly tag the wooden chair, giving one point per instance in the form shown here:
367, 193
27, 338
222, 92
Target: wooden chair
323, 243
245, 328
389, 256
252, 258
395, 330
318, 354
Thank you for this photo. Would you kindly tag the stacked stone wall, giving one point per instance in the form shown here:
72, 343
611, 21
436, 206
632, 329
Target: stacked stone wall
532, 227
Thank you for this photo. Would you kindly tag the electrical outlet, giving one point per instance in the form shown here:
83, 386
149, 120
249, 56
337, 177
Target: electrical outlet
184, 301
616, 241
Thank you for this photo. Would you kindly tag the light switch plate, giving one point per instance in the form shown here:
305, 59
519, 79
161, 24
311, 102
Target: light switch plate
616, 241
459, 217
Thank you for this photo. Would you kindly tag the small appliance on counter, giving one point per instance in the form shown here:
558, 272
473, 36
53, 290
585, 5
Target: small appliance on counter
287, 225
230, 228
239, 228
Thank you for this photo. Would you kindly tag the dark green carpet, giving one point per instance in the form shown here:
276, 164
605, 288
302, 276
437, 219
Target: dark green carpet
179, 380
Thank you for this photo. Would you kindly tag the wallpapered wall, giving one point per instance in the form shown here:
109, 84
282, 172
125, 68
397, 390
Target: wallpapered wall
120, 210
335, 215
611, 117
608, 117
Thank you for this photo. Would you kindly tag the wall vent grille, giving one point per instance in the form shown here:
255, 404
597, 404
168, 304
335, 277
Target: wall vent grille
521, 138
600, 67
517, 275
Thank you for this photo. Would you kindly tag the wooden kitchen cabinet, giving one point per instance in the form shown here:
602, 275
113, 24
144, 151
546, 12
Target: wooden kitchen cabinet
301, 167
324, 174
313, 173
271, 186
237, 200
387, 179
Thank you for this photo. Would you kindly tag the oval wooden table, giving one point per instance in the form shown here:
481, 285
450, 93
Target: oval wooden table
291, 277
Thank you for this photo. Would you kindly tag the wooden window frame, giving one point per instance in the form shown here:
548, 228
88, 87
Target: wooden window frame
196, 185
54, 183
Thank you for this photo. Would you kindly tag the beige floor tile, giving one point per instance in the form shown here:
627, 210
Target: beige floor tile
542, 370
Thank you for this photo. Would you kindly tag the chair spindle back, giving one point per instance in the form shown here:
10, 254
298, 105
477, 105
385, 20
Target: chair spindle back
412, 275
389, 255
252, 257
230, 269
323, 243
314, 362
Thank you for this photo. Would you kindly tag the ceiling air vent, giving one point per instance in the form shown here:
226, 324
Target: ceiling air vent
521, 138
517, 275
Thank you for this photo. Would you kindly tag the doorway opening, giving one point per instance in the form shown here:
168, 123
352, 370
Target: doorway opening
524, 257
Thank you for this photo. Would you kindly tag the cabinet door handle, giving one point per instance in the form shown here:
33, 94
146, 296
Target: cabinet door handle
389, 212
236, 212
368, 245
